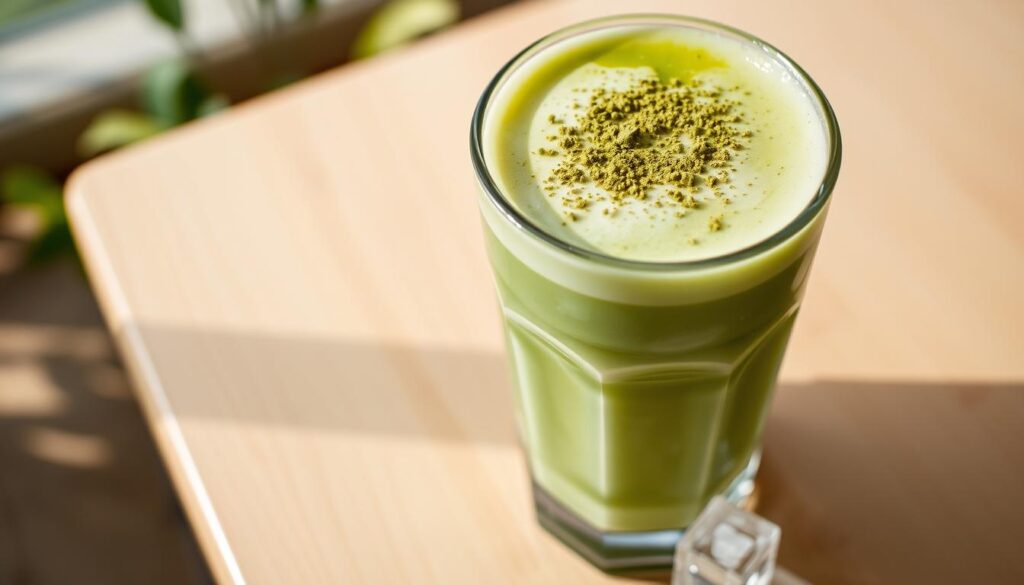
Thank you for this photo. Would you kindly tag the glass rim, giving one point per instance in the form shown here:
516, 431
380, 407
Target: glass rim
510, 213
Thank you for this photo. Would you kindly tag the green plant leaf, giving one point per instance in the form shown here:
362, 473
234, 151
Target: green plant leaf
114, 129
310, 6
169, 12
172, 94
54, 241
25, 184
401, 21
31, 188
213, 104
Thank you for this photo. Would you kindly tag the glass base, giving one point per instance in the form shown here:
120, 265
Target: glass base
626, 551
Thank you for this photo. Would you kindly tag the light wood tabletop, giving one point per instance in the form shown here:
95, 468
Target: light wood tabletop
299, 290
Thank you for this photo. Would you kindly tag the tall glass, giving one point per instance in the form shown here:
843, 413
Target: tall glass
642, 387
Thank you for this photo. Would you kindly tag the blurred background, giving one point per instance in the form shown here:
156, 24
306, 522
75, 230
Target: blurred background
83, 496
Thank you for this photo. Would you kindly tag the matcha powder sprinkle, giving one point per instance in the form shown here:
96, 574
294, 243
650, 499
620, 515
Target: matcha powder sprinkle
677, 135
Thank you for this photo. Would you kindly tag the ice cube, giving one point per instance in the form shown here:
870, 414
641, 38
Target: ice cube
727, 546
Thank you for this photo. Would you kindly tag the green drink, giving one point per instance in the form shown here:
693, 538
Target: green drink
653, 190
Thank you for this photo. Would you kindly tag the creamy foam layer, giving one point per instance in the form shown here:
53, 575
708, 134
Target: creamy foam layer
772, 179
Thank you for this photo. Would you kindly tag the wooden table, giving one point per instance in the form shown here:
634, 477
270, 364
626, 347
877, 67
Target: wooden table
299, 290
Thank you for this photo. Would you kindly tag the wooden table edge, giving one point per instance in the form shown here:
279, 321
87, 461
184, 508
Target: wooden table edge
146, 385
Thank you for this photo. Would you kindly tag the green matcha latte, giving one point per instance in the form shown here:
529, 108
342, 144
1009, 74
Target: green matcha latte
653, 189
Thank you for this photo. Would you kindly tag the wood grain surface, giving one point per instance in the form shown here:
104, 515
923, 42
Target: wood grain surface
299, 289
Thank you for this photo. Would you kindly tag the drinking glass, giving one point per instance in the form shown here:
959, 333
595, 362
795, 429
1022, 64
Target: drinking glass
642, 387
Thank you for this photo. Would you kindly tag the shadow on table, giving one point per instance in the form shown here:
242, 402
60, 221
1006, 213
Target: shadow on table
886, 482
343, 385
872, 482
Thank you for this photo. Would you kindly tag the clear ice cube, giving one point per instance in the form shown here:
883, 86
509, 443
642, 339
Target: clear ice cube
727, 546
